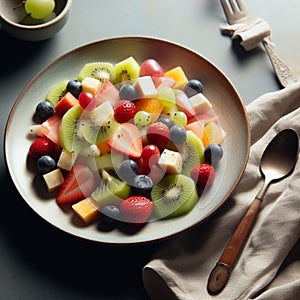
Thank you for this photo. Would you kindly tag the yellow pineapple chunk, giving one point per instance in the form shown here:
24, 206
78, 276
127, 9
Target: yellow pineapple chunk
213, 134
86, 210
178, 75
91, 84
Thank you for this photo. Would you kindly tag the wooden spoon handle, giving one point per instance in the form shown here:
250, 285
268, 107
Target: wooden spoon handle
221, 272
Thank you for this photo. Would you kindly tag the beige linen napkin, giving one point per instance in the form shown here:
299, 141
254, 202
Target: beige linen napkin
269, 265
251, 34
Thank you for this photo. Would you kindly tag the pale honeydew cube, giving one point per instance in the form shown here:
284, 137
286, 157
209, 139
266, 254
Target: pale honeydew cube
66, 160
53, 179
91, 151
91, 84
200, 103
171, 161
145, 87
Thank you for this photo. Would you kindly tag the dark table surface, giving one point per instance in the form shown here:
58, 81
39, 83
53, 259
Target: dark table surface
37, 261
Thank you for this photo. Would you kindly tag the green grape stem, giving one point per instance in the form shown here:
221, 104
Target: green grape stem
19, 5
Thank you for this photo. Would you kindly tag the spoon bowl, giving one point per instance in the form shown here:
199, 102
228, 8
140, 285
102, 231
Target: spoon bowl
280, 155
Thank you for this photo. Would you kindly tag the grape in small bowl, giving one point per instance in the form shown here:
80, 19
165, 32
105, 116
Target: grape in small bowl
34, 20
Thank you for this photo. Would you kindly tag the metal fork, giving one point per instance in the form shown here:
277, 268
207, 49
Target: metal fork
236, 13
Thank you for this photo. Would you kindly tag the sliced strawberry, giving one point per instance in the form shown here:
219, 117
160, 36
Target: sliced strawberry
158, 134
50, 128
136, 209
108, 92
79, 184
127, 140
205, 118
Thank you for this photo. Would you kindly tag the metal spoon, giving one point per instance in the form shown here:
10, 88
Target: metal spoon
278, 160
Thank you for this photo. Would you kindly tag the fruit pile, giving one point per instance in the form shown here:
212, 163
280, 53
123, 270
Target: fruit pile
37, 11
127, 142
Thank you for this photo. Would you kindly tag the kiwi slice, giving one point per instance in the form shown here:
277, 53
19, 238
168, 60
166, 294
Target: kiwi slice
57, 91
111, 190
102, 71
99, 124
70, 138
126, 70
173, 196
192, 152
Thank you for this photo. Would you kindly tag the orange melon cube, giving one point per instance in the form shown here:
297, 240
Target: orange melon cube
197, 127
86, 210
103, 147
65, 103
178, 75
213, 134
151, 105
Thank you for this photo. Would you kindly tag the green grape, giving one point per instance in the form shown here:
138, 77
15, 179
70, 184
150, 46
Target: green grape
167, 96
179, 118
28, 20
142, 119
39, 9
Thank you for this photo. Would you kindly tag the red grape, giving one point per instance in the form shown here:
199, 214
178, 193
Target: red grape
87, 100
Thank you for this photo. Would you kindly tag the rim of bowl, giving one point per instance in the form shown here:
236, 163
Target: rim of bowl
60, 16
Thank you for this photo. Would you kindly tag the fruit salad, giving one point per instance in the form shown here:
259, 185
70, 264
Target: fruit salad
128, 142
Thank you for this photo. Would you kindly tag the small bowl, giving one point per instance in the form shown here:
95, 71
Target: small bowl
10, 20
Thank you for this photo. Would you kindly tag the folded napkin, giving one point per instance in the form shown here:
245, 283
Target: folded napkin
269, 265
251, 34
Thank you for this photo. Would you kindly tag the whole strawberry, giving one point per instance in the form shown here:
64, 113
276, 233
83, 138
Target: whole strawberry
158, 134
136, 209
203, 175
43, 146
124, 111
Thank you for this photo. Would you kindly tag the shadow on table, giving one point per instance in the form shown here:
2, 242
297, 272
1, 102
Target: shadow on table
16, 52
78, 265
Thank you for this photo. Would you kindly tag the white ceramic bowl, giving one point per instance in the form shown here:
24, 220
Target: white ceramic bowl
224, 97
10, 19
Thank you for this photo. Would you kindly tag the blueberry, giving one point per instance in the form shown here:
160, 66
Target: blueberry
128, 92
178, 134
142, 185
109, 215
166, 120
193, 87
213, 153
43, 111
128, 170
46, 164
74, 87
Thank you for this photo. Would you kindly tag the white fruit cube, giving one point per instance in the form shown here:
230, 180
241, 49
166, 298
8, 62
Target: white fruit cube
171, 161
145, 87
53, 179
91, 84
66, 160
200, 103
